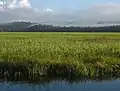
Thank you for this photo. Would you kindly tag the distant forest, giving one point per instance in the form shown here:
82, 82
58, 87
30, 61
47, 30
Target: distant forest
32, 27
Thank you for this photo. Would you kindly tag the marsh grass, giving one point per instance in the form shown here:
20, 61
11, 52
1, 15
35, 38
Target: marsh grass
64, 55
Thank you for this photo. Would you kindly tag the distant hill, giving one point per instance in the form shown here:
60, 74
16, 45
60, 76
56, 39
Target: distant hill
108, 22
35, 27
15, 26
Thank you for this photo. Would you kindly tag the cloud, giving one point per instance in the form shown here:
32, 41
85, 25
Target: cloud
24, 4
20, 3
13, 4
48, 10
100, 12
1, 3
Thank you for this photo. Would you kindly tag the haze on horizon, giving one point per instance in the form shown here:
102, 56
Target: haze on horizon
60, 12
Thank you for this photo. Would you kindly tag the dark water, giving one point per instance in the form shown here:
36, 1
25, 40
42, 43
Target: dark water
112, 85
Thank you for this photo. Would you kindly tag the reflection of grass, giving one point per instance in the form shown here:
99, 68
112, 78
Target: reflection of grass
60, 54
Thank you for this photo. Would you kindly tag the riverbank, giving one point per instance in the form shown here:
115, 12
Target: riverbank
60, 54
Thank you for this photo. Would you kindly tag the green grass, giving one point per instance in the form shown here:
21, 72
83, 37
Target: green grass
60, 54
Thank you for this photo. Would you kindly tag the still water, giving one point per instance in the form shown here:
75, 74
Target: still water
111, 85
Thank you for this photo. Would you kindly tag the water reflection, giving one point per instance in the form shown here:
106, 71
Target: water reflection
61, 85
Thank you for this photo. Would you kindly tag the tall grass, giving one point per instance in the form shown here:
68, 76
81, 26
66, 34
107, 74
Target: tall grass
60, 54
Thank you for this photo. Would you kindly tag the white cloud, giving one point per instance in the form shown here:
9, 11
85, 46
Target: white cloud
1, 3
108, 11
48, 10
13, 4
24, 4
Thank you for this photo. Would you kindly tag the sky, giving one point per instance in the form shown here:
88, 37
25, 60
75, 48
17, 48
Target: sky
69, 4
76, 12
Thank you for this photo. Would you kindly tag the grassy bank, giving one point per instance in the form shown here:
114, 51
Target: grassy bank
60, 54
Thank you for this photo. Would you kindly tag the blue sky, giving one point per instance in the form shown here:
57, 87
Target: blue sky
69, 4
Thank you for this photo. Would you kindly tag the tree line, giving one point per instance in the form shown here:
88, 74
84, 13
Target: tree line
33, 27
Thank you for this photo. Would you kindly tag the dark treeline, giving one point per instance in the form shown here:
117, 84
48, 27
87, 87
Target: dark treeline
32, 27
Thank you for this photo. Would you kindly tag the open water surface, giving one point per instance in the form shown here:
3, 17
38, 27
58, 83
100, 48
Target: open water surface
89, 85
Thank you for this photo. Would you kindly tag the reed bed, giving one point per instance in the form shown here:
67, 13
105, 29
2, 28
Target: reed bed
60, 55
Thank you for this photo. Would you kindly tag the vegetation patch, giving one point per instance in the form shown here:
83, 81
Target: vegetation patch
66, 55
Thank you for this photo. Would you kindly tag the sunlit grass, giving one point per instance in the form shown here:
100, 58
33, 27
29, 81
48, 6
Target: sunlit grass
60, 54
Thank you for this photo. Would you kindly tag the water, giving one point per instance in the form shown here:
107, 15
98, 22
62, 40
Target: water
113, 85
